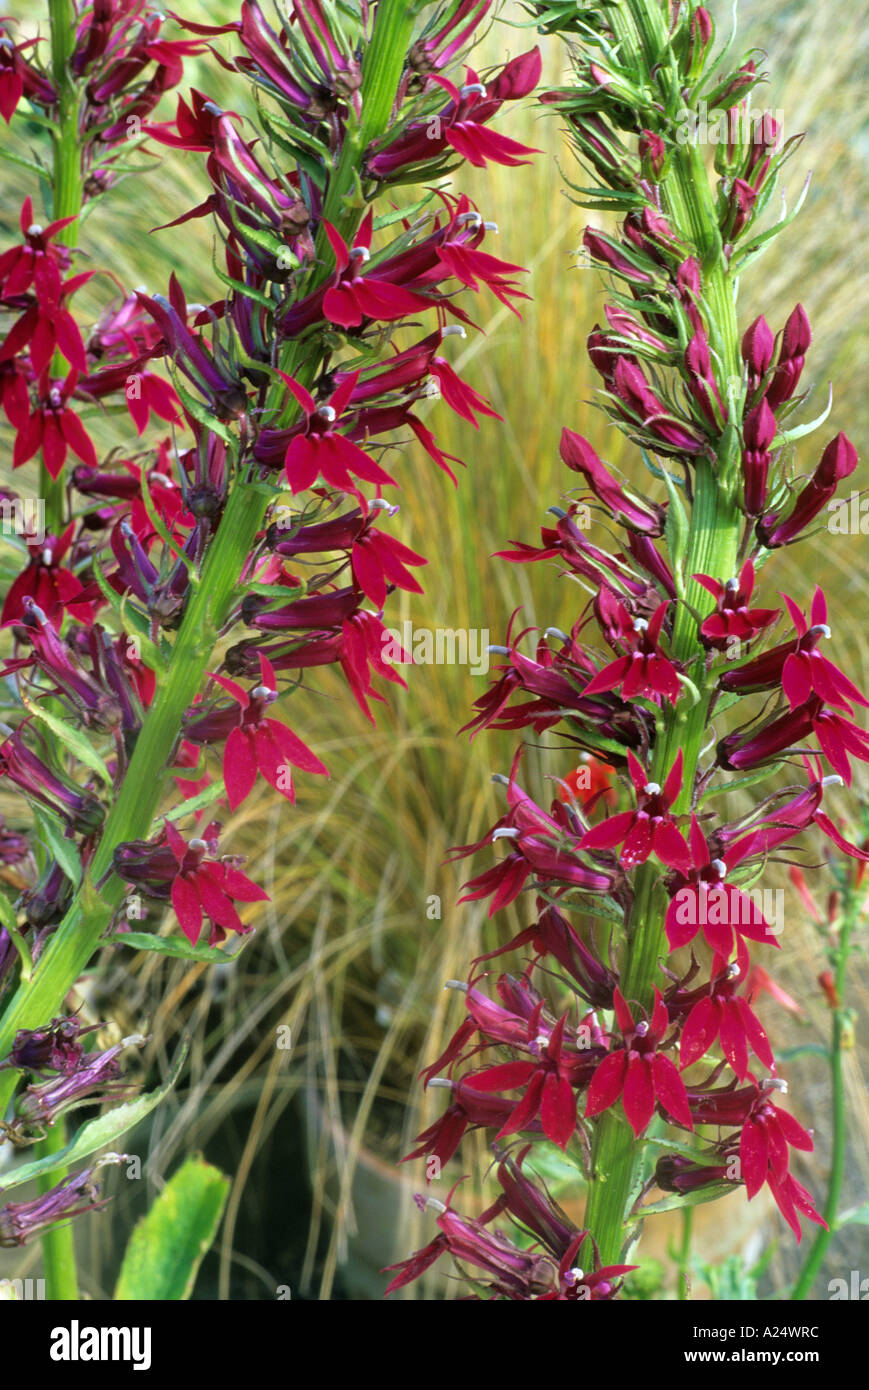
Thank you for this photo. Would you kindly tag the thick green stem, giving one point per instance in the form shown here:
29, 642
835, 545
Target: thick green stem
210, 605
712, 549
58, 1244
841, 1026
67, 196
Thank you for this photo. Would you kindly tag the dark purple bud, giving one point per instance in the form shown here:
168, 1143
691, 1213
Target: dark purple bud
796, 339
758, 432
838, 461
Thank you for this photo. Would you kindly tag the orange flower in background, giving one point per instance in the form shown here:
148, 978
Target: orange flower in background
591, 784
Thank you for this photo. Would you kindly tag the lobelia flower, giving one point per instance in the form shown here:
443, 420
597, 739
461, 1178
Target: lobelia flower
758, 346
717, 1010
733, 620
646, 830
638, 1073
699, 896
376, 558
38, 263
81, 812
758, 432
254, 742
320, 451
578, 454
176, 869
53, 588
798, 666
795, 342
462, 125
644, 670
20, 1222
56, 1047
54, 429
838, 737
96, 1077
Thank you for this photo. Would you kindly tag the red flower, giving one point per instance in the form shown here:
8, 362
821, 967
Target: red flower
54, 589
733, 619
54, 428
701, 898
639, 1073
38, 262
647, 829
257, 743
549, 1093
356, 296
644, 670
721, 1013
321, 452
197, 887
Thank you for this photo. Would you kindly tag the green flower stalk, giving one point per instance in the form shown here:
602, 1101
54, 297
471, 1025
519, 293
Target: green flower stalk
630, 1041
267, 524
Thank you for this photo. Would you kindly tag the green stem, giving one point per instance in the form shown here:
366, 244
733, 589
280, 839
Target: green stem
841, 1026
685, 1252
58, 1244
211, 603
67, 198
688, 203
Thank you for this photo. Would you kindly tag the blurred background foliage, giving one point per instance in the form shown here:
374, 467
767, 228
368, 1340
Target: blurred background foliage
347, 955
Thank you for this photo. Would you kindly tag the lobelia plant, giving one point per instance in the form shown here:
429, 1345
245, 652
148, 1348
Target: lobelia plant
164, 589
627, 1038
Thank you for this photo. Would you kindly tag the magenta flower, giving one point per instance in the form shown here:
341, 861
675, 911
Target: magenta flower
649, 829
53, 588
198, 887
720, 1011
638, 1073
578, 454
355, 296
54, 429
38, 263
733, 619
320, 451
644, 670
838, 461
700, 898
254, 742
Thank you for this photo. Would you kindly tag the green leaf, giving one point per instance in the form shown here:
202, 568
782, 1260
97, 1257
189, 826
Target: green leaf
169, 946
75, 741
164, 1252
63, 849
689, 1199
97, 1133
858, 1217
9, 920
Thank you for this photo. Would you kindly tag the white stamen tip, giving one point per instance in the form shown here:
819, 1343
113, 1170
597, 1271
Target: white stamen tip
652, 789
453, 330
719, 866
471, 88
640, 625
326, 412
361, 253
491, 227
457, 984
35, 229
197, 844
506, 832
